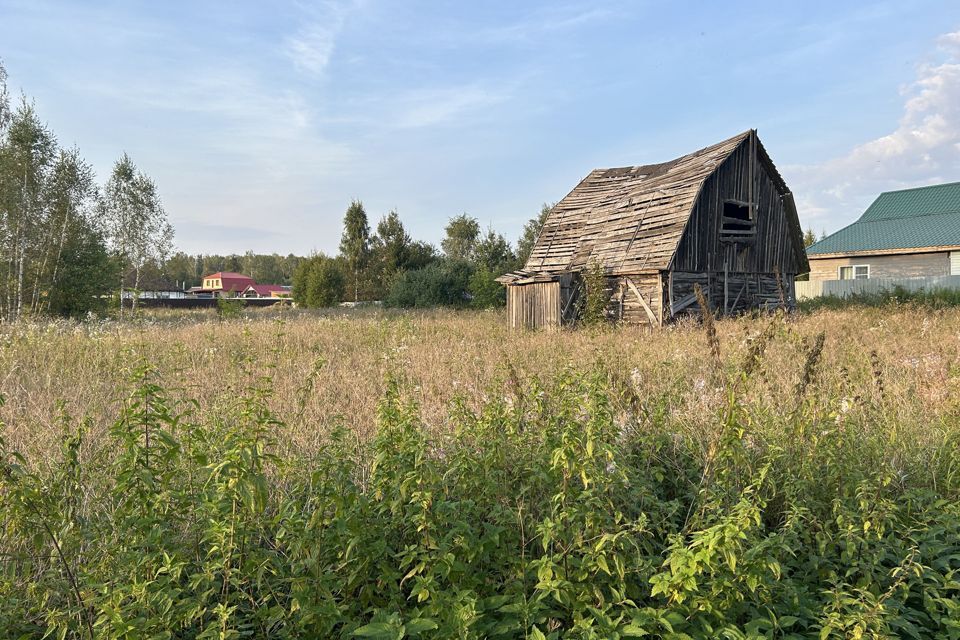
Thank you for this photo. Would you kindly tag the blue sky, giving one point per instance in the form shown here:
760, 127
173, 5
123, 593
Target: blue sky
261, 121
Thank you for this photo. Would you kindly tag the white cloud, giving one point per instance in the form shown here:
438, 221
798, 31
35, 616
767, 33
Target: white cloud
311, 48
543, 23
432, 107
923, 149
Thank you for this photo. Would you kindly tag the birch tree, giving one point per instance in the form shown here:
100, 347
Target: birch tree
70, 200
26, 153
134, 221
355, 243
47, 201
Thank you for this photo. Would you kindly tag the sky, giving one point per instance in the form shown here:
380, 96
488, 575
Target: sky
260, 122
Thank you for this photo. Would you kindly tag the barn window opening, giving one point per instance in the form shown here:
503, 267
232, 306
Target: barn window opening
737, 225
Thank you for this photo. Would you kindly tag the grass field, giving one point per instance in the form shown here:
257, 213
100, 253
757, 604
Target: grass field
378, 474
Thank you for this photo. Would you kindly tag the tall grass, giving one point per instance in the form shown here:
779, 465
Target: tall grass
793, 486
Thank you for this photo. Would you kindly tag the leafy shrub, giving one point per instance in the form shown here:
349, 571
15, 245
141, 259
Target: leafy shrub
486, 292
441, 283
595, 291
229, 307
85, 278
561, 508
319, 281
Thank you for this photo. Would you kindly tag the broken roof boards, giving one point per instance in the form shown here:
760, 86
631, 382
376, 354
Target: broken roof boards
721, 217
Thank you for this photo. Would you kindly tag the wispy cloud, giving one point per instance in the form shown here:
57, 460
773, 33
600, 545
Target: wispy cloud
312, 46
924, 148
433, 107
545, 22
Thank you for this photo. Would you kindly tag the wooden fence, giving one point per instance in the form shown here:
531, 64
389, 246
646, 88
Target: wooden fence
845, 288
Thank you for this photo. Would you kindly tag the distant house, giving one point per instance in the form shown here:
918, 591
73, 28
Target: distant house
266, 291
903, 234
154, 294
223, 284
720, 218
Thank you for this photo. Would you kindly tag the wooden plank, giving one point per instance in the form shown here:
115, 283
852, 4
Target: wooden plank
670, 293
726, 290
646, 307
660, 306
740, 293
682, 304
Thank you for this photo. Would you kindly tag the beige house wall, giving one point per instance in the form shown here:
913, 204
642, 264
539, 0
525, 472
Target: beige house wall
906, 265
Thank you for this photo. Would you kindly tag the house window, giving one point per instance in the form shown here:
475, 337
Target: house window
854, 272
737, 224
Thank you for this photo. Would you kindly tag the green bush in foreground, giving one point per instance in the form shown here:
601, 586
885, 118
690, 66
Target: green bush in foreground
568, 509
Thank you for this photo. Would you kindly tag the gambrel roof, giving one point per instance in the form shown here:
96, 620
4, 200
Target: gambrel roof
630, 219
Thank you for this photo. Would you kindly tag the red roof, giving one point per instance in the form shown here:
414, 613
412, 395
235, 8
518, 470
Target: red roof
230, 281
264, 290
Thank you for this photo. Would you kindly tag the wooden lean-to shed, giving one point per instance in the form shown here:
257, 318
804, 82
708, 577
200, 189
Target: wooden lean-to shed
721, 217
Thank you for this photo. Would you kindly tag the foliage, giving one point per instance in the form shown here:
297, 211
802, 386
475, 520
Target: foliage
390, 250
493, 252
47, 203
185, 271
486, 292
441, 283
420, 254
319, 282
492, 257
54, 222
935, 298
530, 233
595, 293
355, 243
229, 307
88, 271
462, 234
560, 505
135, 223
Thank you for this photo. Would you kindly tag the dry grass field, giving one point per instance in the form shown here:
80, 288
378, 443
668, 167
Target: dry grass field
332, 368
379, 474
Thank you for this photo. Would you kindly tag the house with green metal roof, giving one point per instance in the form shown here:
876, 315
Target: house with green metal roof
903, 234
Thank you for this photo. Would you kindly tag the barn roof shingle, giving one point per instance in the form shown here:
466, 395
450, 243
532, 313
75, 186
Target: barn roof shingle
630, 218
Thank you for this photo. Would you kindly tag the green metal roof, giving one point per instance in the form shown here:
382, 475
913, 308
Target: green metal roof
907, 219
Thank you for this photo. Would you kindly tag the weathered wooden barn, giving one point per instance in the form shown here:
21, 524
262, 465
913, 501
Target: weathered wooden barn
721, 217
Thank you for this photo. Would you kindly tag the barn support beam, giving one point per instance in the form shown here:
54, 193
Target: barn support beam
643, 302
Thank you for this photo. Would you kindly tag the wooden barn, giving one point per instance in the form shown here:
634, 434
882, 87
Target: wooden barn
721, 217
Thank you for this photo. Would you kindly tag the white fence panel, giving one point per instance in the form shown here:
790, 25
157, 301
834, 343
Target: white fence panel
844, 288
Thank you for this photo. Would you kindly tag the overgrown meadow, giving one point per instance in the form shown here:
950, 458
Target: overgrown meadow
381, 475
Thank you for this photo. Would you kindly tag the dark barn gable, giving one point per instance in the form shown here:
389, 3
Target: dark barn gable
721, 217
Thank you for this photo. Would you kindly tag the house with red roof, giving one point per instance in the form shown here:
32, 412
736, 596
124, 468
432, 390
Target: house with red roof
223, 284
266, 291
227, 284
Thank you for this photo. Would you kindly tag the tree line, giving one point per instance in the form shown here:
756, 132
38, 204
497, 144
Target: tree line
66, 242
385, 264
182, 270
70, 245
